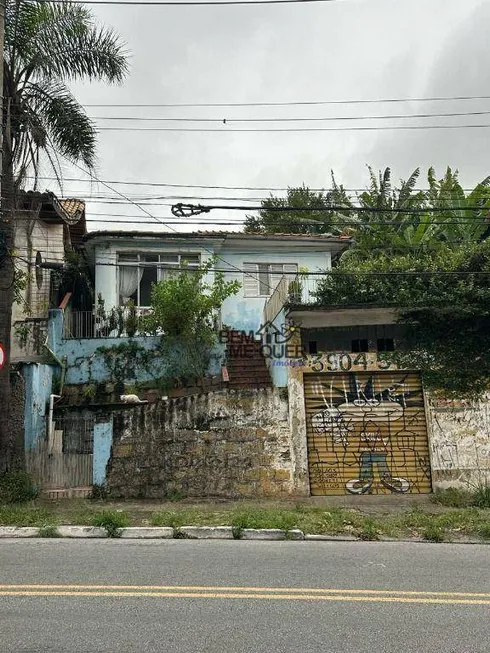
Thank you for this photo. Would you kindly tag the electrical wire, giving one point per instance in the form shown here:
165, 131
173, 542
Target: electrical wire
202, 186
184, 3
290, 129
324, 273
299, 103
303, 119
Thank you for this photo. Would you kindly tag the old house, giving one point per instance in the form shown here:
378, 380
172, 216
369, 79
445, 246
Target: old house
46, 228
126, 264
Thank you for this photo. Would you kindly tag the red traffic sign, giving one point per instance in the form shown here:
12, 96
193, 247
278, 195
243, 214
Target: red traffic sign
2, 356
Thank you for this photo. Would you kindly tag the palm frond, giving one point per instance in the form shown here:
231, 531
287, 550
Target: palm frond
70, 130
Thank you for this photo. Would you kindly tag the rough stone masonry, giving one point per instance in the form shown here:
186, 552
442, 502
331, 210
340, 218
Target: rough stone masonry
226, 444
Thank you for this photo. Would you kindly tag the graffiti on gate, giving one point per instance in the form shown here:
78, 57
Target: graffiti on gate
368, 434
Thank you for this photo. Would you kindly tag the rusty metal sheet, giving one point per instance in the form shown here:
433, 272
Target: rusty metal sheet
367, 433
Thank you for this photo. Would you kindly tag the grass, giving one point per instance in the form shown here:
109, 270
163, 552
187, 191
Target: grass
48, 530
16, 515
434, 523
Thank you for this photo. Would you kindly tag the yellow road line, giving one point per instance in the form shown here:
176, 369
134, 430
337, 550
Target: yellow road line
248, 590
255, 596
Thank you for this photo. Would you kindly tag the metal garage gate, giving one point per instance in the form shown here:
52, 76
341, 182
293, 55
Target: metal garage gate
367, 433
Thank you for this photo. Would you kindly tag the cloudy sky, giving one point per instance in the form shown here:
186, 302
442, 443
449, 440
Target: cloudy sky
326, 51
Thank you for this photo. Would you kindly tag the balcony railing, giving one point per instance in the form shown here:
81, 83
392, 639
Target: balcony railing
82, 325
300, 291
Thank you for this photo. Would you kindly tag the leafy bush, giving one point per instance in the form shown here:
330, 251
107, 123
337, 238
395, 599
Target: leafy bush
16, 487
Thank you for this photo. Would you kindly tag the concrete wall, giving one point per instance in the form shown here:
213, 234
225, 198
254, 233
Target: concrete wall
32, 236
224, 444
459, 437
38, 379
85, 362
102, 448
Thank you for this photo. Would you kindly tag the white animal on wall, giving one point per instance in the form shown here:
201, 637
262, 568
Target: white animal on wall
132, 399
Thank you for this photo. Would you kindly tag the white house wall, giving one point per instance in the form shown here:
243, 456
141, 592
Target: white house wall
106, 263
238, 311
245, 313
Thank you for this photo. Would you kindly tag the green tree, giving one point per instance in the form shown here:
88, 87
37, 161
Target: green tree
185, 312
47, 45
413, 218
443, 300
273, 219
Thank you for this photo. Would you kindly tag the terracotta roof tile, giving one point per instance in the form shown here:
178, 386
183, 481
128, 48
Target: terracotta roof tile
73, 208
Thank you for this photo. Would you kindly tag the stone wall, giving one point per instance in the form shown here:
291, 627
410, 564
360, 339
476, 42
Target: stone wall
459, 440
17, 400
226, 444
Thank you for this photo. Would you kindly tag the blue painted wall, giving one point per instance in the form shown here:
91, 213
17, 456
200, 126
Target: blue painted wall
84, 364
102, 450
38, 380
245, 313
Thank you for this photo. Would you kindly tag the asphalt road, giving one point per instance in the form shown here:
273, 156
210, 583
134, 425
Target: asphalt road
178, 596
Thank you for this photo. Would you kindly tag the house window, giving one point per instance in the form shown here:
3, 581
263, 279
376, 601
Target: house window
386, 344
138, 273
261, 279
359, 345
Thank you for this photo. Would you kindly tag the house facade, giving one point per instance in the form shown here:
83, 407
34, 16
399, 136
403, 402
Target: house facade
362, 425
46, 228
127, 264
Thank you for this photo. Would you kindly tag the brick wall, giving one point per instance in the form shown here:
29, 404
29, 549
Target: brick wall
225, 444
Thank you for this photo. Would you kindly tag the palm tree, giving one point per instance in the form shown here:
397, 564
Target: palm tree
47, 45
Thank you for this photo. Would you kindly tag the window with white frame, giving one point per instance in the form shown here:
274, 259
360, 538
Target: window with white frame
261, 279
138, 272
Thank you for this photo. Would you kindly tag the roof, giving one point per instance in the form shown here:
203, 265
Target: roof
52, 209
227, 235
74, 208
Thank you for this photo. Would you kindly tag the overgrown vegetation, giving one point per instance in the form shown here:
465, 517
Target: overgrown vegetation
16, 487
444, 302
112, 520
439, 524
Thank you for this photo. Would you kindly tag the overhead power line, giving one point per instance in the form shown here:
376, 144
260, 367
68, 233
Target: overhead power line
189, 210
204, 186
289, 129
303, 103
396, 273
226, 120
186, 3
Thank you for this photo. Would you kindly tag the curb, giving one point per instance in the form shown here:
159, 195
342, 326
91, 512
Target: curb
201, 533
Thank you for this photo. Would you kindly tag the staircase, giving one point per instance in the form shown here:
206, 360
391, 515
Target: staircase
245, 363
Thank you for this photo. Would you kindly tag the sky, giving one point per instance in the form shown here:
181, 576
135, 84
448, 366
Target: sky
326, 51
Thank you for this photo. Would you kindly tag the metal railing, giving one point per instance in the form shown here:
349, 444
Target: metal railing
277, 300
302, 290
30, 336
82, 325
73, 434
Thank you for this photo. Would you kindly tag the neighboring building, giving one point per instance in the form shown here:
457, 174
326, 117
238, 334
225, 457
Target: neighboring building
365, 426
127, 264
46, 227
